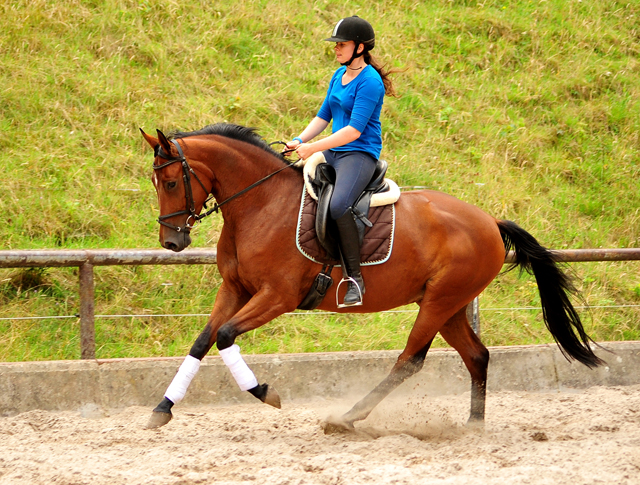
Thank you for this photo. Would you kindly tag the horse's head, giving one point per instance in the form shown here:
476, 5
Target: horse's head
180, 200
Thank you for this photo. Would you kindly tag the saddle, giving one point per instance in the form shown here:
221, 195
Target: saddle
379, 192
317, 234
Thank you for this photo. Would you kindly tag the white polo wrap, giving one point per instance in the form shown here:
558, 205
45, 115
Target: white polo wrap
238, 367
178, 387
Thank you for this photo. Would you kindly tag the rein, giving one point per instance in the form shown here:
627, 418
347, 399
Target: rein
188, 193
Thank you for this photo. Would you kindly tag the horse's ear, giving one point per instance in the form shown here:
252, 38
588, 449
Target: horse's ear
153, 142
164, 143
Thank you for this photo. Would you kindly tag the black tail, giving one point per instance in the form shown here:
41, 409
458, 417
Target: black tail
554, 286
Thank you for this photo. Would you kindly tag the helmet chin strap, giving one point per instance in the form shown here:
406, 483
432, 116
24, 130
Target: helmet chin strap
354, 56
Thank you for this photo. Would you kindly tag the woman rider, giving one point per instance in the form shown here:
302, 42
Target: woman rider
354, 100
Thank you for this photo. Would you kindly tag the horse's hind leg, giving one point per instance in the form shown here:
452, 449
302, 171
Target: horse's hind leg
402, 370
435, 311
459, 334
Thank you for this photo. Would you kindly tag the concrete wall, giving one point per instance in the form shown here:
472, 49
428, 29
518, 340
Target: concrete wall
117, 383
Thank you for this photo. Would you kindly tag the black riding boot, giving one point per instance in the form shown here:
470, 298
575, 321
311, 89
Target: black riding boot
350, 254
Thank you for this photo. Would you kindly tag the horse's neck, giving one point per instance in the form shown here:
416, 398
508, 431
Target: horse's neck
236, 169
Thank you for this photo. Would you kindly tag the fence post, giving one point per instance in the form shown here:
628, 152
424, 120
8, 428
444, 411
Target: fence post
473, 316
87, 322
475, 321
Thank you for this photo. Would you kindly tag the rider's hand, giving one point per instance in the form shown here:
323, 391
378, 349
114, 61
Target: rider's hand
292, 144
305, 150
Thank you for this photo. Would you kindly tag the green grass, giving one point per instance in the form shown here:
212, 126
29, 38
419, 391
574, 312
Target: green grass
528, 109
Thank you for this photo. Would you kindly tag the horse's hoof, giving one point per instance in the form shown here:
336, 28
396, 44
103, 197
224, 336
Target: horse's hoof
337, 426
476, 424
158, 419
272, 398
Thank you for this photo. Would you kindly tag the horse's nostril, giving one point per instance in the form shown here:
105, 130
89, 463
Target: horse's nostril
171, 246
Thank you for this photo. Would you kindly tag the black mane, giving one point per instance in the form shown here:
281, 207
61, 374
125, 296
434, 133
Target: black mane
230, 130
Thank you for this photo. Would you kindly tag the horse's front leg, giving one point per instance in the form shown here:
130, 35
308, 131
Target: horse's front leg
263, 307
228, 303
223, 327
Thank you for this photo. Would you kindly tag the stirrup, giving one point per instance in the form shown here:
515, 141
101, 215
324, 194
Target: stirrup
348, 279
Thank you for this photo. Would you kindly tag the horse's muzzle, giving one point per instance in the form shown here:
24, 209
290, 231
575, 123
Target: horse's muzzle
175, 241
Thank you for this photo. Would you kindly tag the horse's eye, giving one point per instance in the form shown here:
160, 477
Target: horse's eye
171, 185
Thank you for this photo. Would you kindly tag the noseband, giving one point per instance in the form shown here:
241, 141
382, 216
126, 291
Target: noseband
190, 208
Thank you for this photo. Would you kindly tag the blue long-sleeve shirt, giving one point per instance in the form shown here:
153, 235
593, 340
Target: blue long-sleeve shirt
356, 104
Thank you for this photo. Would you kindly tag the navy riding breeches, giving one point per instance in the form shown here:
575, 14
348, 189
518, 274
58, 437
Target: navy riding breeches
353, 173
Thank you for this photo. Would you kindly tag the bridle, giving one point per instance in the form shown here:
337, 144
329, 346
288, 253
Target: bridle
190, 206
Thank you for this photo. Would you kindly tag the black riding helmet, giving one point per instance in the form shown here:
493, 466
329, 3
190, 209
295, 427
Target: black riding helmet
356, 29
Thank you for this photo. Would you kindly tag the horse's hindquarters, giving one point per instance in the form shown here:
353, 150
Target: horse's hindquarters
442, 247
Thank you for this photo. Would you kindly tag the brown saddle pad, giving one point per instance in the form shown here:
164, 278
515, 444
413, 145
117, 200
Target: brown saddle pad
378, 240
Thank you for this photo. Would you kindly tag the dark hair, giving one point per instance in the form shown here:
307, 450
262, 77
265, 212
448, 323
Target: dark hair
389, 90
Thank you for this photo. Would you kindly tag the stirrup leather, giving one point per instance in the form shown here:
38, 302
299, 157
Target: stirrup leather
348, 279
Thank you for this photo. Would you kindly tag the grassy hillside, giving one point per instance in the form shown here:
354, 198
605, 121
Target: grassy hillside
529, 109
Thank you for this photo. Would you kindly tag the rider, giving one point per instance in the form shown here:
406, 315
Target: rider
354, 100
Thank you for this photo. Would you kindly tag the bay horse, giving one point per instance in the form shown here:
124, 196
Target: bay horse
445, 253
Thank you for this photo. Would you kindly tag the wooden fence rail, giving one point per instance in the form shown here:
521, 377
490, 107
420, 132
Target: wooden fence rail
87, 259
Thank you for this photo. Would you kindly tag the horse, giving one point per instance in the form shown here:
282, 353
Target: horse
445, 253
